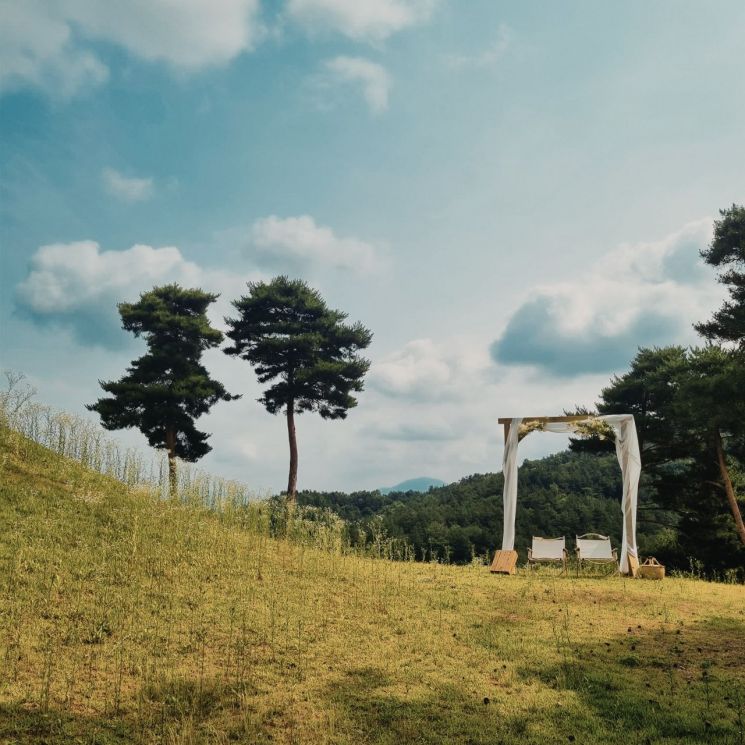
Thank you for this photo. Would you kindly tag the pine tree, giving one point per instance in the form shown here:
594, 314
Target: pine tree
293, 340
718, 383
727, 253
709, 400
689, 408
166, 389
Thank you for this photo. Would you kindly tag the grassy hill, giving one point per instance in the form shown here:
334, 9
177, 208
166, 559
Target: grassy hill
125, 619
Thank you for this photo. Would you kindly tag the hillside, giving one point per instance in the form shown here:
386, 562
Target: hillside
563, 494
128, 619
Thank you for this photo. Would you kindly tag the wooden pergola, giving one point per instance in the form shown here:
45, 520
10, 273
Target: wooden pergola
627, 451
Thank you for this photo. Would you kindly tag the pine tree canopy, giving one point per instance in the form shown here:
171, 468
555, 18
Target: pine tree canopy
684, 401
289, 335
727, 251
167, 388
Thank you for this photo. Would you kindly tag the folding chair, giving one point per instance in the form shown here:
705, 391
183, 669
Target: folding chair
593, 548
548, 551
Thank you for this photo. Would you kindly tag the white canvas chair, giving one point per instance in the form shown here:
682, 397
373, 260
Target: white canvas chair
548, 551
594, 548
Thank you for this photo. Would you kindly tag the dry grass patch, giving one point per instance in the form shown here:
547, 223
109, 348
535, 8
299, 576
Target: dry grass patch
128, 619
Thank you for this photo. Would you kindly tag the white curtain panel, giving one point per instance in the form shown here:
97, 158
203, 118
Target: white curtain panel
509, 469
629, 458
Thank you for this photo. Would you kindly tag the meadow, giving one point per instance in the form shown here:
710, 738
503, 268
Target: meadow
126, 617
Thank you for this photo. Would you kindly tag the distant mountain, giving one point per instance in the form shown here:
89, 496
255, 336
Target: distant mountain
422, 484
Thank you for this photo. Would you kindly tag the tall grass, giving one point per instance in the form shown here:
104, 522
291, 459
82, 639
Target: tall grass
86, 442
127, 618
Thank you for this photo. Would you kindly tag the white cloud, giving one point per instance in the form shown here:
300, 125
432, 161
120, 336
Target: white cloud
43, 44
486, 58
372, 77
300, 240
637, 295
127, 189
362, 20
665, 275
189, 33
427, 429
424, 370
65, 276
78, 285
36, 48
432, 408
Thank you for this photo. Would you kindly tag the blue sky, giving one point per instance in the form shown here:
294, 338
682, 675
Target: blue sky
511, 195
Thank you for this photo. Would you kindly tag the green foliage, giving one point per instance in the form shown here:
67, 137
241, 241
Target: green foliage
681, 401
565, 494
303, 348
727, 252
689, 406
166, 389
710, 397
289, 335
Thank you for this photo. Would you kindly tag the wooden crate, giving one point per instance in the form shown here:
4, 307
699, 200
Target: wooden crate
505, 562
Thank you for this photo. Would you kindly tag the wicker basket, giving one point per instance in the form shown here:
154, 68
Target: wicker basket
651, 569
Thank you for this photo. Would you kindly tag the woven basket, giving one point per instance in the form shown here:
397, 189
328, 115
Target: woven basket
651, 569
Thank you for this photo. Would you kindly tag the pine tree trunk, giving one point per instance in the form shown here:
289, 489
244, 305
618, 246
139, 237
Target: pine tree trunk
292, 480
728, 488
172, 476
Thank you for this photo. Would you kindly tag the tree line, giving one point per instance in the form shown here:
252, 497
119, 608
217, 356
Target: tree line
565, 494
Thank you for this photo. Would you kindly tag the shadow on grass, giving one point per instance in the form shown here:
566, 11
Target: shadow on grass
178, 710
371, 708
680, 687
19, 726
685, 685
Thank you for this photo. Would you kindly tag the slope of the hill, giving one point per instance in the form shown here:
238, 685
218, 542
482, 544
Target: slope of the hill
565, 494
127, 620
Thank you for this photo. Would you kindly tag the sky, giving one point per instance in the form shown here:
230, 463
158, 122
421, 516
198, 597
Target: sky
512, 196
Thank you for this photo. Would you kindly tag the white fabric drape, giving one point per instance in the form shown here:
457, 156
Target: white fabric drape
629, 458
509, 469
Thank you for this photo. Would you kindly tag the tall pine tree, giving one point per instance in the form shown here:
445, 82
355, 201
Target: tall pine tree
726, 252
167, 388
304, 349
721, 373
688, 415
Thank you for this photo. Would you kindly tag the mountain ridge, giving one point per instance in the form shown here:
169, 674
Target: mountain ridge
417, 484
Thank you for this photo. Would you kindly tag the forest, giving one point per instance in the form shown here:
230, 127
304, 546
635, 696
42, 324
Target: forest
564, 494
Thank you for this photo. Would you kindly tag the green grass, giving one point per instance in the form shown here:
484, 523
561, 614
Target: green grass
124, 618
